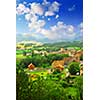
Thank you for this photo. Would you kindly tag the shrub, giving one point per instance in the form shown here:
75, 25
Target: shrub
73, 68
79, 85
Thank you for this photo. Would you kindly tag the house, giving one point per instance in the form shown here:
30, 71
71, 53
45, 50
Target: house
67, 60
78, 55
31, 66
58, 64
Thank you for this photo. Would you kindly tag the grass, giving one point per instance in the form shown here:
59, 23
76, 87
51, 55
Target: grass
20, 56
40, 73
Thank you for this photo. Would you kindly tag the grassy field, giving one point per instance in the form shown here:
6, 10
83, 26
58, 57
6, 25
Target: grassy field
20, 56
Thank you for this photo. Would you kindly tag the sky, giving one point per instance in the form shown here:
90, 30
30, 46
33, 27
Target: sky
49, 19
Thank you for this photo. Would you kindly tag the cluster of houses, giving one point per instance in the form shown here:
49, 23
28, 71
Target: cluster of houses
74, 56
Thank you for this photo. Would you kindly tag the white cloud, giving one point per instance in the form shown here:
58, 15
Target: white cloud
70, 28
81, 27
59, 31
49, 13
24, 2
45, 3
79, 35
31, 17
32, 14
36, 24
26, 10
57, 16
27, 17
52, 8
41, 23
45, 8
36, 8
21, 9
72, 8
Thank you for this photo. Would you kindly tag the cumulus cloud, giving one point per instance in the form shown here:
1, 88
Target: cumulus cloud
27, 17
79, 35
59, 31
49, 13
35, 14
37, 8
31, 17
70, 28
21, 9
54, 7
44, 8
45, 3
36, 24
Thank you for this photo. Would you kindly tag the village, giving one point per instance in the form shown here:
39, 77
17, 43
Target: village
46, 67
60, 65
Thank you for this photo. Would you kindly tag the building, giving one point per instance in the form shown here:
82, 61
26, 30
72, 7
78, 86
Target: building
58, 64
31, 66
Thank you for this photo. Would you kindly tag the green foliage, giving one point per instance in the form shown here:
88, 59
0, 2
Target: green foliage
72, 93
58, 45
56, 71
46, 65
52, 86
52, 57
49, 47
79, 85
73, 68
46, 88
40, 61
24, 53
23, 86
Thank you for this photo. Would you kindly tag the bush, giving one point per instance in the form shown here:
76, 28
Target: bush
23, 86
79, 85
46, 89
72, 93
73, 68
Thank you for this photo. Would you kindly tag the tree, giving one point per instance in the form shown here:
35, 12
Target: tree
23, 85
24, 53
73, 68
32, 52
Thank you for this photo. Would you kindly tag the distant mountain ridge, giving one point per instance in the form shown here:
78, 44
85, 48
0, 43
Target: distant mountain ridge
21, 38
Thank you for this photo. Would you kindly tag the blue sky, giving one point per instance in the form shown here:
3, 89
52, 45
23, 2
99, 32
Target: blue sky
52, 19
